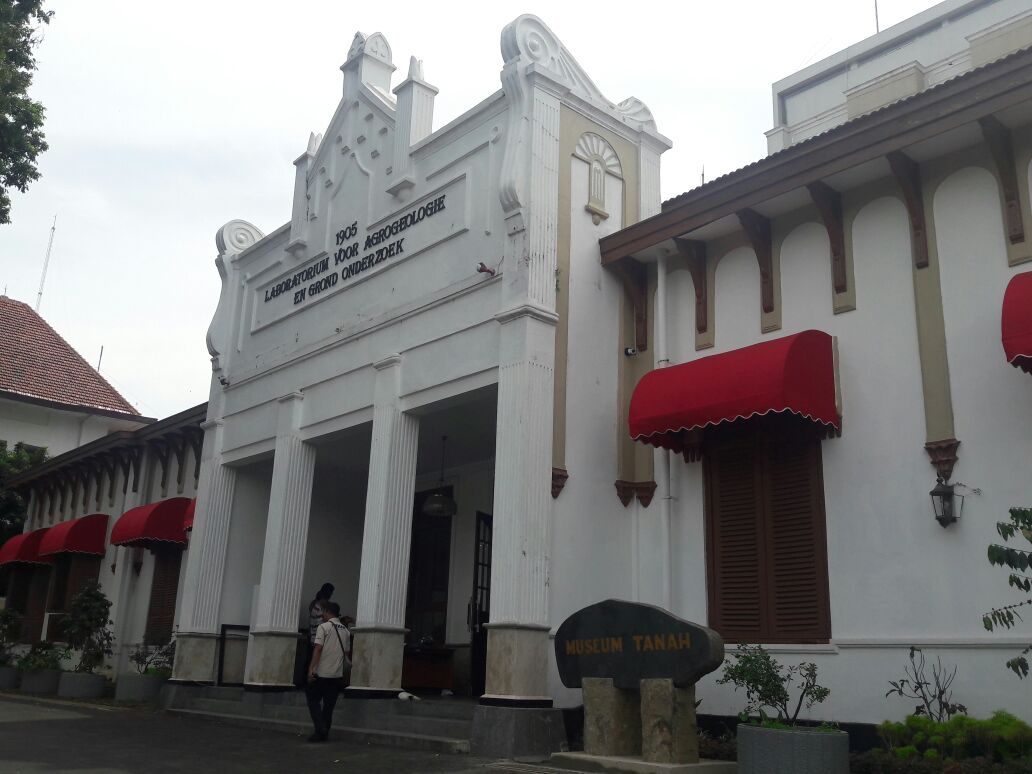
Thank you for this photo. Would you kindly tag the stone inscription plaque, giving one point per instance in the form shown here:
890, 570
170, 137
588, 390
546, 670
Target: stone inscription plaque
630, 642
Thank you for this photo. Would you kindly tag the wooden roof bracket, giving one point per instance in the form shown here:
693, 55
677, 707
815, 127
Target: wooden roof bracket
178, 442
757, 229
998, 138
635, 279
110, 463
129, 460
162, 452
829, 205
195, 435
694, 254
908, 177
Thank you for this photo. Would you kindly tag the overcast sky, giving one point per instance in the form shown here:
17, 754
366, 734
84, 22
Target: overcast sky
165, 123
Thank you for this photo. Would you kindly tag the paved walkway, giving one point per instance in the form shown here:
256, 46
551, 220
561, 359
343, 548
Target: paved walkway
49, 735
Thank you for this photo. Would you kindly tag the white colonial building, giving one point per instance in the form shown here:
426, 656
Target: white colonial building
453, 385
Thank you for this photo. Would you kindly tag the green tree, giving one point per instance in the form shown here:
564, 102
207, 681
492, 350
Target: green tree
12, 504
1019, 561
21, 118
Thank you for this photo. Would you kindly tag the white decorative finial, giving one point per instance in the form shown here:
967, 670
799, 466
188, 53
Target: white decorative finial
313, 144
415, 69
356, 45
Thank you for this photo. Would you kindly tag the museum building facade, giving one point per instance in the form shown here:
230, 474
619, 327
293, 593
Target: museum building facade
483, 379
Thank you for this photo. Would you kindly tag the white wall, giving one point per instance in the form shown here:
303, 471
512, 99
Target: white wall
334, 549
896, 577
246, 541
56, 430
992, 400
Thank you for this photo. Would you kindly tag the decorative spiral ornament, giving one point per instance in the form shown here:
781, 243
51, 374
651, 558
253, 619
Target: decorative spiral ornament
236, 236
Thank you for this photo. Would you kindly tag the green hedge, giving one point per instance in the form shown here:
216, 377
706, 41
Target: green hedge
1002, 737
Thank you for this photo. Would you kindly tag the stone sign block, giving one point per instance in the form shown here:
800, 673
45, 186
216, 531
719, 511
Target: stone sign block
630, 642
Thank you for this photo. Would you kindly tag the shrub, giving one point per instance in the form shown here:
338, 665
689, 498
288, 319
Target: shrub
1002, 737
86, 627
935, 695
768, 684
42, 656
1018, 561
154, 660
10, 628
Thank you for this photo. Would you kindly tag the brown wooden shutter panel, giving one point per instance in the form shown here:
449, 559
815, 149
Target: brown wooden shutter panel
81, 570
735, 553
796, 545
164, 588
35, 605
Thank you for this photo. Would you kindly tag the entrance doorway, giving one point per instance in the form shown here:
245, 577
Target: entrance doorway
426, 610
429, 665
479, 612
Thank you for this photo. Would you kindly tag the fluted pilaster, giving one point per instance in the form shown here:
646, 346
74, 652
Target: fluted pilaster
383, 581
206, 560
286, 534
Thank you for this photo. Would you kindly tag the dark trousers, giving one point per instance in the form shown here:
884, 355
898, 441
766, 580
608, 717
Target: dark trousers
322, 698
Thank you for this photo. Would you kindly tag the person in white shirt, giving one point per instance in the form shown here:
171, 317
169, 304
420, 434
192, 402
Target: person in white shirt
325, 673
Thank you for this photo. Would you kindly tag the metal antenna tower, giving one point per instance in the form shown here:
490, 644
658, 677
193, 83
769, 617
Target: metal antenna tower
46, 263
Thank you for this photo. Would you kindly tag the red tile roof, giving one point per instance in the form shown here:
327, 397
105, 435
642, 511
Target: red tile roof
37, 363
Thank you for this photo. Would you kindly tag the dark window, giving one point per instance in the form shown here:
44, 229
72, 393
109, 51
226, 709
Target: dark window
35, 603
164, 589
765, 529
72, 573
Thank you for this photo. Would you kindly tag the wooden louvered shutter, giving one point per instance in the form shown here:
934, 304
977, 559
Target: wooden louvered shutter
735, 555
797, 567
164, 588
35, 604
81, 570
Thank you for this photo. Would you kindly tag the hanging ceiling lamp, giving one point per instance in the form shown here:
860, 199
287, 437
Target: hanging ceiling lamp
440, 504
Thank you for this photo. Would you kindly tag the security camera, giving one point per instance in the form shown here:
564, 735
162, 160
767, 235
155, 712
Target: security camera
630, 351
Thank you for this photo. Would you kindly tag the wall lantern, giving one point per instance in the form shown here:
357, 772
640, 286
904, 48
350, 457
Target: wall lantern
946, 503
440, 504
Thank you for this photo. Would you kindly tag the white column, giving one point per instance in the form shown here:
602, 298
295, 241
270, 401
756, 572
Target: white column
196, 643
273, 642
518, 632
386, 539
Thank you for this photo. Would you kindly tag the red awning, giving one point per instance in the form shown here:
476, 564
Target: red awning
84, 535
24, 548
160, 522
188, 516
794, 374
1017, 321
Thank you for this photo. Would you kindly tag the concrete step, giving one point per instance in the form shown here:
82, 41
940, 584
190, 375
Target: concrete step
222, 692
406, 740
353, 714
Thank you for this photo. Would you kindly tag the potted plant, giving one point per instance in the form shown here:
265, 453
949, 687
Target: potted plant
769, 739
85, 628
153, 667
41, 668
10, 627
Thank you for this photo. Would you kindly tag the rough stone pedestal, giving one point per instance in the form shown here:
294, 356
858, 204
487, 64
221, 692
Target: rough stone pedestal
270, 660
196, 655
668, 730
522, 733
612, 718
377, 658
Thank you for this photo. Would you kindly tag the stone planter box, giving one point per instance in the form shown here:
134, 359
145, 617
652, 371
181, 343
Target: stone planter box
133, 687
79, 685
42, 682
10, 678
795, 751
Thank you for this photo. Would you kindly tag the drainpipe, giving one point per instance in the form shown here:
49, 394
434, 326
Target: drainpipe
663, 472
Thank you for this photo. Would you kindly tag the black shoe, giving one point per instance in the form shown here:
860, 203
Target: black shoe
317, 737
